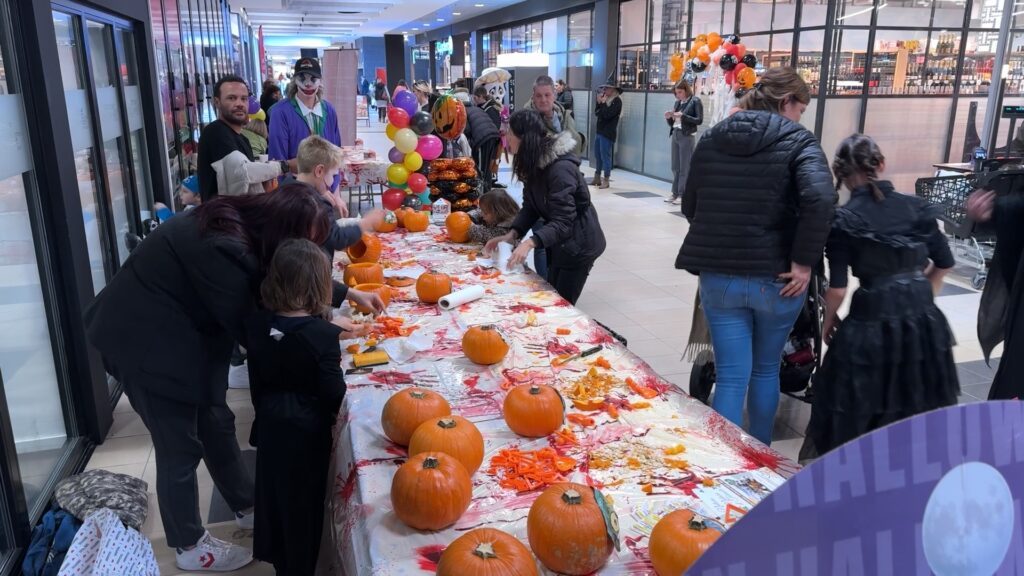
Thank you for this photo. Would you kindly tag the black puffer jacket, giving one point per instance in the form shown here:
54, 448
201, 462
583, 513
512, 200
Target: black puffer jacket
559, 195
759, 196
479, 128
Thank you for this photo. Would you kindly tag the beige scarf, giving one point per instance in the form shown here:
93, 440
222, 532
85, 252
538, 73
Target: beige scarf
698, 349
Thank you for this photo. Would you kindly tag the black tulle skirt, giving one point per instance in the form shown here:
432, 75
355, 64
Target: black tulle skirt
891, 358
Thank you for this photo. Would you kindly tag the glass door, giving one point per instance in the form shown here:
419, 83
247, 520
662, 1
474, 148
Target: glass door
129, 68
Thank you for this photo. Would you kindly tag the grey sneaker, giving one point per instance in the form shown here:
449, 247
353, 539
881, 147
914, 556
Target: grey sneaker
213, 555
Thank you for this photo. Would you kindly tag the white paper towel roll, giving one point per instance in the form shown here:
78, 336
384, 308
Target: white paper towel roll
504, 253
456, 299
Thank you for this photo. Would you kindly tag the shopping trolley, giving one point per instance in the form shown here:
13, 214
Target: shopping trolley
969, 243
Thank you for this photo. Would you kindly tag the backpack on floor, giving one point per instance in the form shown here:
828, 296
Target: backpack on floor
51, 540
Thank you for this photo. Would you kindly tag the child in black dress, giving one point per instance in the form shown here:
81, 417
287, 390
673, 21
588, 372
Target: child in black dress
297, 389
892, 356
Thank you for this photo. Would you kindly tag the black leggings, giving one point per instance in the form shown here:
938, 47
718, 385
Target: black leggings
568, 281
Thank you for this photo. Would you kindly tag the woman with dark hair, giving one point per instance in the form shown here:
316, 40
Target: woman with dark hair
553, 190
165, 327
683, 119
271, 95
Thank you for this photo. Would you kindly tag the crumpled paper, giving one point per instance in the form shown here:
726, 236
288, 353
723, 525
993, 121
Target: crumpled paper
401, 350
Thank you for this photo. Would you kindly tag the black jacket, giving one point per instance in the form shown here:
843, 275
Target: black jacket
168, 319
558, 194
693, 115
608, 118
760, 195
565, 99
479, 127
493, 110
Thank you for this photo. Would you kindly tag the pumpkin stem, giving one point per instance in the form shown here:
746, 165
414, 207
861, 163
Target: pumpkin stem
417, 394
446, 423
535, 389
430, 462
572, 497
697, 523
485, 550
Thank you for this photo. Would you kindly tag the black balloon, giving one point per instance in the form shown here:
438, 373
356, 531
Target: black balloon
422, 123
697, 66
412, 201
732, 39
750, 60
728, 62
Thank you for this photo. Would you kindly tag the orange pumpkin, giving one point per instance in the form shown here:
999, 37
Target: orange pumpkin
678, 540
367, 249
407, 409
400, 215
364, 273
569, 532
453, 435
484, 345
432, 286
416, 221
486, 551
458, 224
534, 410
383, 289
389, 223
449, 117
431, 491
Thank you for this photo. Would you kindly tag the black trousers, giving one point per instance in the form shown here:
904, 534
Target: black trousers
483, 155
182, 435
569, 280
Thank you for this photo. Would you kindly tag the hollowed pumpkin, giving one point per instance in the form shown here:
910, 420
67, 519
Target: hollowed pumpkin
568, 530
367, 249
486, 551
534, 410
458, 225
407, 409
364, 273
431, 491
416, 221
383, 289
389, 223
484, 345
678, 540
432, 286
453, 435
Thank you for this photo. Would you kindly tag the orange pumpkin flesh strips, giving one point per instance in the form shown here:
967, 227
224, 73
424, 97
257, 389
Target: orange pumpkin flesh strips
432, 286
452, 435
407, 409
534, 410
678, 540
568, 531
484, 345
431, 491
486, 552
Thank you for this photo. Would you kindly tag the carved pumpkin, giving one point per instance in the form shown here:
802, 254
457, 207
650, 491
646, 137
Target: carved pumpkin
678, 540
568, 530
486, 551
453, 435
416, 221
389, 223
484, 345
363, 273
534, 410
407, 409
431, 491
449, 117
383, 289
458, 224
432, 286
367, 249
400, 281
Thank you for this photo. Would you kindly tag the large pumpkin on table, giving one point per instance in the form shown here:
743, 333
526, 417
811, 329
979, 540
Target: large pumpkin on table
534, 410
572, 529
364, 273
432, 286
367, 249
431, 491
416, 221
407, 409
486, 552
678, 540
400, 215
382, 289
449, 117
484, 345
458, 225
453, 435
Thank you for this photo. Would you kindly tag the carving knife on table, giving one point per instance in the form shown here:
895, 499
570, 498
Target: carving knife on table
570, 357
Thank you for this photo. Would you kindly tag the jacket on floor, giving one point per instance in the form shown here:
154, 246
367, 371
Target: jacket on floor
559, 195
608, 117
759, 196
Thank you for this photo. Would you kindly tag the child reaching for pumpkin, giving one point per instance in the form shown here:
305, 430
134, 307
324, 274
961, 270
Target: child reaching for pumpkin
494, 216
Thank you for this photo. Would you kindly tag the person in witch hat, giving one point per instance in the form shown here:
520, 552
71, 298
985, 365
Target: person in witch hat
607, 110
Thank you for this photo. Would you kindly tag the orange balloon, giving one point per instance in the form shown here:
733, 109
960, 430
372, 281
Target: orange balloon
741, 50
714, 41
746, 78
699, 43
704, 54
702, 38
692, 53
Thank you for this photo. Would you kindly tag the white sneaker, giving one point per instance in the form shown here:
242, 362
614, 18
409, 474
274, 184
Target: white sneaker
238, 376
213, 555
245, 521
677, 201
670, 199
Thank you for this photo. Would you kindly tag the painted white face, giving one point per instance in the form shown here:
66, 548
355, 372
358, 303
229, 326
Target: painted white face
307, 83
497, 91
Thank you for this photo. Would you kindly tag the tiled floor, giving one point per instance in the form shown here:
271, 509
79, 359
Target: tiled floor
634, 289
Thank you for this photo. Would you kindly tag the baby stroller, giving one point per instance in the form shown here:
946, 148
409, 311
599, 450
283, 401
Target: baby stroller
800, 358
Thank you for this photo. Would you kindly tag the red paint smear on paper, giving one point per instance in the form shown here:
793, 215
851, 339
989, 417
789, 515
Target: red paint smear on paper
391, 377
655, 383
396, 450
599, 335
687, 487
349, 486
428, 556
759, 458
471, 381
633, 544
557, 348
525, 308
517, 377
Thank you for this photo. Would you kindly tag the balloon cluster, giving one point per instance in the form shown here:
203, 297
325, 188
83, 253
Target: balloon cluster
727, 53
411, 130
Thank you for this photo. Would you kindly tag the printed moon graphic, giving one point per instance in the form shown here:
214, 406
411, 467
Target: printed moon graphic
968, 522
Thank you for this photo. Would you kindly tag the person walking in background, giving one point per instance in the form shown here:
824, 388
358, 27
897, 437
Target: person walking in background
382, 98
608, 109
424, 95
564, 96
760, 202
271, 95
684, 118
493, 110
303, 113
483, 138
892, 356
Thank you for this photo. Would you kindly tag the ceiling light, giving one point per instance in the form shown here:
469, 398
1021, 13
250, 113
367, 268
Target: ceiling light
440, 19
456, 13
415, 29
478, 5
426, 24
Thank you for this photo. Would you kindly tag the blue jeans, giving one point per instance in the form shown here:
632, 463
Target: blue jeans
603, 155
750, 323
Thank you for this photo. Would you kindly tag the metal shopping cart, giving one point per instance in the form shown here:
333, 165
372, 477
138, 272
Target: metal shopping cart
969, 243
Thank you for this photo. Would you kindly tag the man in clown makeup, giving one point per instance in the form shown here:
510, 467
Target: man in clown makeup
302, 113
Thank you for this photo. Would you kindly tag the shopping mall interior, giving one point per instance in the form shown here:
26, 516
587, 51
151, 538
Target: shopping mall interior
107, 101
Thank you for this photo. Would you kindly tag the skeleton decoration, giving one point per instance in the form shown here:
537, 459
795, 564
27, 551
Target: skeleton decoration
495, 80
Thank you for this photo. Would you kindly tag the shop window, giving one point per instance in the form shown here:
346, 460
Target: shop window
809, 60
979, 59
661, 54
669, 19
780, 52
534, 34
633, 67
813, 13
848, 60
913, 13
1015, 65
854, 12
556, 34
986, 14
940, 70
632, 22
713, 16
756, 16
784, 17
899, 63
920, 142
581, 30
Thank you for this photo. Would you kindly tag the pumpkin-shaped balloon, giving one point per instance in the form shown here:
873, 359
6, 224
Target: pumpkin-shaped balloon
533, 410
415, 220
458, 225
431, 491
366, 249
407, 409
449, 117
714, 40
484, 345
572, 529
678, 540
382, 290
432, 286
363, 273
453, 435
746, 78
486, 551
388, 223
